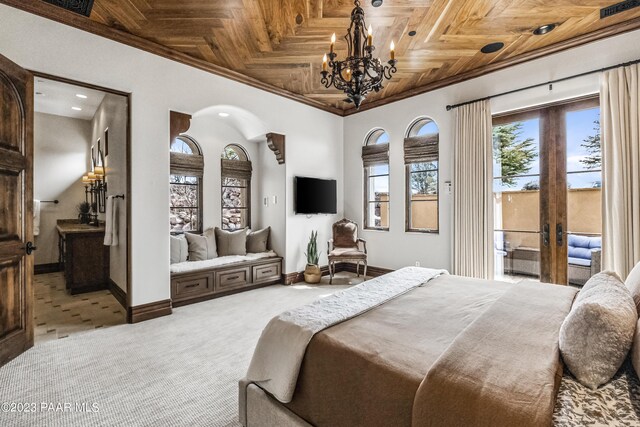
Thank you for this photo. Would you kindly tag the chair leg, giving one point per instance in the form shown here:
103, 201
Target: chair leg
330, 272
358, 268
365, 270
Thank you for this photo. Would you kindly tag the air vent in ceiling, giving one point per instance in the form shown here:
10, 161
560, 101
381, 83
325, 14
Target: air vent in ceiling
83, 7
608, 11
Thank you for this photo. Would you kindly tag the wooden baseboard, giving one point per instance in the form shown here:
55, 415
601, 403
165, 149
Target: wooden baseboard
53, 267
118, 293
140, 313
298, 276
372, 271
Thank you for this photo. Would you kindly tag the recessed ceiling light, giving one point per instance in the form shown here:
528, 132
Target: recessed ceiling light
79, 95
492, 47
76, 108
544, 29
223, 114
376, 3
412, 33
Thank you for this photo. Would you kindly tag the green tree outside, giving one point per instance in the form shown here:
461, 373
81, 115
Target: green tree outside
512, 153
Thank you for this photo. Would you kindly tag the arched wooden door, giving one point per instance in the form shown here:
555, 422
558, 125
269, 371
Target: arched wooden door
16, 210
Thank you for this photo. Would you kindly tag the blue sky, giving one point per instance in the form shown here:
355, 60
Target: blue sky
579, 126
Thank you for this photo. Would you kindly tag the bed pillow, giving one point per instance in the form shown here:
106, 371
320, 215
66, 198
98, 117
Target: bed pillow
596, 335
202, 247
257, 240
231, 242
633, 284
179, 248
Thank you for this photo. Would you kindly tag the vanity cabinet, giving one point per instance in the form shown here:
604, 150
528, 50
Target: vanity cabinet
83, 256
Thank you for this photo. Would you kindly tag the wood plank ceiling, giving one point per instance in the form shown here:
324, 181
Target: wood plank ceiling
281, 42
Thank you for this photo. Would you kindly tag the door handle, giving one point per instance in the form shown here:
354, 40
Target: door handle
29, 248
545, 235
559, 234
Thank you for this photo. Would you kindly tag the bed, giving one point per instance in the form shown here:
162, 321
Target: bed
439, 350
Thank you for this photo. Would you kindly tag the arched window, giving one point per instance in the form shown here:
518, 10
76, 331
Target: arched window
236, 188
421, 164
185, 185
375, 159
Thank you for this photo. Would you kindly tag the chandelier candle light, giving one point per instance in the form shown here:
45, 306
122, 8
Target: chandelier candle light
360, 73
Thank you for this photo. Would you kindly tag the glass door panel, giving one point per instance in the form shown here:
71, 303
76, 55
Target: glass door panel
516, 199
584, 194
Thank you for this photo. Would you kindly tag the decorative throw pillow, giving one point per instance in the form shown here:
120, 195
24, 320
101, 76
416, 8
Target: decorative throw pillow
179, 248
633, 284
257, 240
231, 242
598, 331
202, 247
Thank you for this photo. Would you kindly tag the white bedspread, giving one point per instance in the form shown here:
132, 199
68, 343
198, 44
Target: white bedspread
188, 266
278, 356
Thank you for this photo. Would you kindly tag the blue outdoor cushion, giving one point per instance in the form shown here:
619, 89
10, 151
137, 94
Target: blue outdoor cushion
580, 261
579, 241
575, 252
595, 242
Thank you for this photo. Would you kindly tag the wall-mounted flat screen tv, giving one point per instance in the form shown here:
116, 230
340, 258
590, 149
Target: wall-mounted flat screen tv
315, 196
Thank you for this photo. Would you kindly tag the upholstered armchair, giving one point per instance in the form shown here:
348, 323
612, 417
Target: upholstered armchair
345, 246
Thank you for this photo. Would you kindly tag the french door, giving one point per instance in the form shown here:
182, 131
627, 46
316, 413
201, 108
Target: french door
16, 210
547, 192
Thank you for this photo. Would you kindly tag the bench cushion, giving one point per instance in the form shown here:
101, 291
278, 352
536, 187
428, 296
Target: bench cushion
191, 266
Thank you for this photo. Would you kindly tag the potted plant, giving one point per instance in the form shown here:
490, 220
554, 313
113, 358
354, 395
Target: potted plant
312, 273
84, 213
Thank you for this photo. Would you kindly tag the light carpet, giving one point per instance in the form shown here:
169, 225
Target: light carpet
178, 370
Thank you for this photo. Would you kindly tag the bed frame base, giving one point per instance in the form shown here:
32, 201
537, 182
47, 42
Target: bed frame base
257, 408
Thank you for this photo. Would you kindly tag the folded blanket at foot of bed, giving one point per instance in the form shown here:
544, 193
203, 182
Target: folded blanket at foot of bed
505, 368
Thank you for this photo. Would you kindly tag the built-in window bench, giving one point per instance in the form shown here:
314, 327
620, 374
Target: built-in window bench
195, 281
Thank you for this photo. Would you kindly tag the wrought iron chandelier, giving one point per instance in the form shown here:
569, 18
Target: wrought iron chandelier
360, 73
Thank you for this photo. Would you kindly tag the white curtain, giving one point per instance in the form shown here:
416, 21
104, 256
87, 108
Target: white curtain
620, 123
473, 209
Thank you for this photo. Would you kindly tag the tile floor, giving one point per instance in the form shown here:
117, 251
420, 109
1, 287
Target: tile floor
58, 314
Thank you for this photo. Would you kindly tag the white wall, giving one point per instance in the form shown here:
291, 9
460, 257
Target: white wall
271, 183
158, 85
112, 115
61, 151
396, 248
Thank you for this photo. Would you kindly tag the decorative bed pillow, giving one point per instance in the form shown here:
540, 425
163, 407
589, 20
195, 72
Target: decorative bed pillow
231, 242
179, 248
257, 240
633, 284
596, 336
202, 247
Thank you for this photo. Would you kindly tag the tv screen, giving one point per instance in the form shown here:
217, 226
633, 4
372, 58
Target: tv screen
315, 196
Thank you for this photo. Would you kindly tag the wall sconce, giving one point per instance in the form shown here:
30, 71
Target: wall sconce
95, 185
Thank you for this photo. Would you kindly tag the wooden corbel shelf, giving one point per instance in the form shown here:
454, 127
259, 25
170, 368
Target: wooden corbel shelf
275, 141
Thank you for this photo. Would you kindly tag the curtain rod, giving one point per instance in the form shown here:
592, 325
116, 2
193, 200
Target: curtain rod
549, 83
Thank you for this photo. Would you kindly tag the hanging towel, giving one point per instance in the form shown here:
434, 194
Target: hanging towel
111, 222
36, 217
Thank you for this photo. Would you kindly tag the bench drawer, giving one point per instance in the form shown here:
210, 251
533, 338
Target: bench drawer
232, 279
266, 272
192, 286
